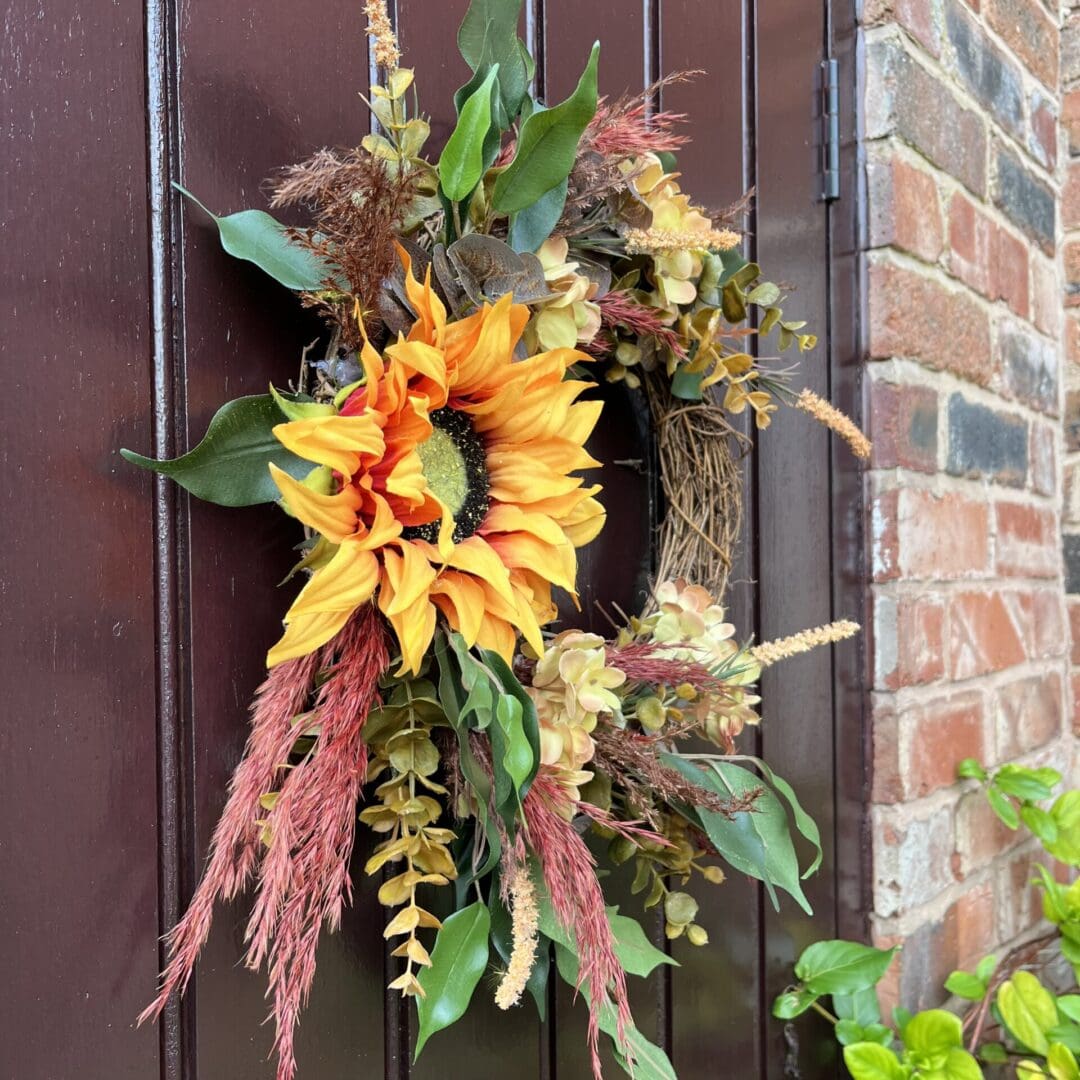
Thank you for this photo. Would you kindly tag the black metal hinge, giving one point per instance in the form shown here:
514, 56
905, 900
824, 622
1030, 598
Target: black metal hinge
830, 115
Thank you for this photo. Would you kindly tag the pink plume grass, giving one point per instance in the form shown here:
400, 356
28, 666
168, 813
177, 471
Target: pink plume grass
303, 877
578, 901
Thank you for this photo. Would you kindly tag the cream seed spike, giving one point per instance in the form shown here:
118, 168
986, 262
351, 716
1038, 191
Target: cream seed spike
769, 652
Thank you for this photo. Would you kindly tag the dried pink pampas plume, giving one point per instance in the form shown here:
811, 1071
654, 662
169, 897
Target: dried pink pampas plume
308, 829
569, 872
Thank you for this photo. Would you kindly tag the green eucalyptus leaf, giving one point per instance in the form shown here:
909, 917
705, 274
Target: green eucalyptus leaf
255, 236
230, 466
547, 146
842, 967
461, 164
457, 962
872, 1061
530, 227
686, 385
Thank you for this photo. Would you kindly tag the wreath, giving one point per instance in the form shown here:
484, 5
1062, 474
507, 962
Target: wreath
433, 455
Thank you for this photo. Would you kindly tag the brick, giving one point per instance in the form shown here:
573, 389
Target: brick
1070, 119
909, 640
1045, 296
972, 237
906, 100
1070, 553
1029, 713
1070, 50
919, 317
1042, 459
1019, 899
941, 537
1026, 542
1029, 366
912, 861
884, 541
1074, 631
1070, 197
985, 443
975, 936
1072, 339
938, 737
1074, 687
903, 426
1043, 130
982, 635
886, 785
915, 16
1025, 199
1032, 35
980, 836
1010, 278
1072, 420
1040, 616
1072, 273
904, 209
988, 75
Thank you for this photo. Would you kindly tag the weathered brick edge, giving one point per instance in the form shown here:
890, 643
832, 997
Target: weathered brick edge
967, 195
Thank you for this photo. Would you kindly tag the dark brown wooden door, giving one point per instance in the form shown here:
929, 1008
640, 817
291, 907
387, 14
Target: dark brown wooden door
133, 625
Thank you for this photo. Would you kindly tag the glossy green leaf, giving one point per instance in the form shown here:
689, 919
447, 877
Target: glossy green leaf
457, 962
1069, 1004
994, 1053
861, 1006
547, 146
848, 1032
1066, 814
461, 163
230, 466
1028, 1010
879, 1033
1041, 823
508, 684
970, 769
985, 968
650, 1062
872, 1061
255, 236
793, 1003
488, 36
686, 385
1024, 783
1061, 1063
511, 751
933, 1033
958, 1065
1000, 804
842, 967
1067, 1034
966, 985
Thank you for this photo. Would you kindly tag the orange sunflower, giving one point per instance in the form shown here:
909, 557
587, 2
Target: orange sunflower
446, 486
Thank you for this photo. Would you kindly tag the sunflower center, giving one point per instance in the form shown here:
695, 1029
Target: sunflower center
454, 464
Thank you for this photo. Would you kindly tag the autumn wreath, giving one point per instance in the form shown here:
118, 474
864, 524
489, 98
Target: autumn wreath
433, 454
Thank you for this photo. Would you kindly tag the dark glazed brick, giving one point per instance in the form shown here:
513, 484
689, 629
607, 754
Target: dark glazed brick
1030, 365
983, 442
1026, 200
1070, 549
987, 74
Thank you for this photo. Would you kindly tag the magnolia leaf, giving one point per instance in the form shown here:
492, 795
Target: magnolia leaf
1028, 1010
457, 962
547, 146
872, 1061
488, 36
230, 466
461, 163
530, 227
842, 967
255, 236
650, 1062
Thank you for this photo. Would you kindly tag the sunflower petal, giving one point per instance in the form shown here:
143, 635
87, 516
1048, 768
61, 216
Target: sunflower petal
306, 634
344, 583
337, 441
476, 556
334, 516
461, 599
410, 576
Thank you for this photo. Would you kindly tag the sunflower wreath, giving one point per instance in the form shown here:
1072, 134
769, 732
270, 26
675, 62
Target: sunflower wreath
433, 457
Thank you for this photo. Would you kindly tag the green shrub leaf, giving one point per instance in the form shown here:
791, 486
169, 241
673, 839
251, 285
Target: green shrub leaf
547, 146
1028, 1010
457, 962
255, 236
842, 967
966, 985
999, 803
1024, 783
861, 1006
933, 1033
230, 466
793, 1003
872, 1061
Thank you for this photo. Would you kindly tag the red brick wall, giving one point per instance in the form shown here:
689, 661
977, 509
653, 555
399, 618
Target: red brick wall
967, 193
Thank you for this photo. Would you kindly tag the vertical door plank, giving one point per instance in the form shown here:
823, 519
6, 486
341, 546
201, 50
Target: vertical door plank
715, 1010
77, 631
258, 90
795, 588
